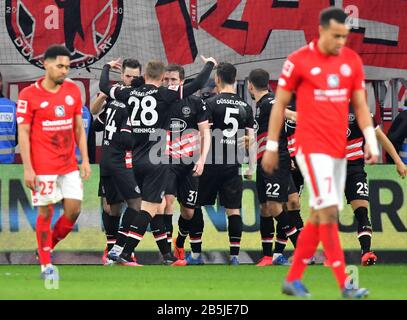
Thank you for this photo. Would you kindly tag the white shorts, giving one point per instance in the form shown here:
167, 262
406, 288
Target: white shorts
51, 189
325, 178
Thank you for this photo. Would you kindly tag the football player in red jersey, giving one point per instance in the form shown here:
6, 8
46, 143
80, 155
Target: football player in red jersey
325, 75
49, 116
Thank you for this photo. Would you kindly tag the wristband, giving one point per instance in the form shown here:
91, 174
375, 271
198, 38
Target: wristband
371, 140
271, 145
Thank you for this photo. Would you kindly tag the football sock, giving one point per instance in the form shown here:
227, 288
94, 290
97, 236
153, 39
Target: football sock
235, 233
111, 226
196, 230
61, 229
157, 226
286, 224
267, 234
306, 247
183, 231
364, 229
128, 217
44, 238
168, 228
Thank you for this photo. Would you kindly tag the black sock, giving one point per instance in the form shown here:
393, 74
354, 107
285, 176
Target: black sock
235, 233
364, 229
168, 228
267, 235
183, 231
157, 226
124, 228
111, 226
287, 226
296, 218
196, 230
281, 240
137, 230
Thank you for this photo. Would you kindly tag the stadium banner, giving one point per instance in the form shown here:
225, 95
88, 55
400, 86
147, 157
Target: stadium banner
248, 33
388, 209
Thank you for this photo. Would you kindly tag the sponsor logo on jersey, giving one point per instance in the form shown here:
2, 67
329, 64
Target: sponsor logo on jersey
89, 29
44, 104
177, 125
288, 68
22, 106
333, 81
59, 111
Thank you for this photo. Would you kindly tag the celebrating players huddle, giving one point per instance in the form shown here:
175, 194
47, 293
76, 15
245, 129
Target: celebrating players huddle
160, 141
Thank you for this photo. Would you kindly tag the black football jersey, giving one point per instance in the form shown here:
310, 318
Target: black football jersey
185, 116
355, 141
117, 136
230, 116
263, 111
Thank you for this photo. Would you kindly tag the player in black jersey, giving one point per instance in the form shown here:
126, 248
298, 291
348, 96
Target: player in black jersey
272, 189
149, 108
231, 118
188, 147
131, 69
356, 188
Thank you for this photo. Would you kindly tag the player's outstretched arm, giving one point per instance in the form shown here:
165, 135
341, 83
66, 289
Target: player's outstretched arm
99, 122
104, 82
80, 138
389, 148
270, 157
365, 123
97, 104
24, 142
201, 78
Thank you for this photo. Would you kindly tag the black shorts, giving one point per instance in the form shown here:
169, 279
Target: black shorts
356, 187
297, 179
152, 180
182, 184
224, 180
119, 186
273, 187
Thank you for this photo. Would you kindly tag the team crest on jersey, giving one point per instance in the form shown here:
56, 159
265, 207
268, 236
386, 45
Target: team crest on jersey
351, 117
186, 111
88, 29
69, 100
60, 111
333, 81
345, 70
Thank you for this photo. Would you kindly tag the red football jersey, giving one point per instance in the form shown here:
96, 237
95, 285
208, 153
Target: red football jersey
323, 85
52, 119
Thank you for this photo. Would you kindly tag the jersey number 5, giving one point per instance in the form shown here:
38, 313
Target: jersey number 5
229, 133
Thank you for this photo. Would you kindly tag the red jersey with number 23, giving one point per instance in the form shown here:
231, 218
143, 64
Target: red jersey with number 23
323, 86
52, 120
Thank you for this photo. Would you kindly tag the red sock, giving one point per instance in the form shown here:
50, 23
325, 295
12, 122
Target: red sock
61, 229
329, 236
44, 238
307, 244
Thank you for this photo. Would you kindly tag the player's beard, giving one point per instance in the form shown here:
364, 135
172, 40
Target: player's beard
59, 81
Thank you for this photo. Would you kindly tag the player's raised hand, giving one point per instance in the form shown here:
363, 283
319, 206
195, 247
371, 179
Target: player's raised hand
210, 59
270, 161
115, 64
30, 179
401, 169
85, 170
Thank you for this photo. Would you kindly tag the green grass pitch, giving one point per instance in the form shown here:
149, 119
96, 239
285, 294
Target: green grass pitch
215, 282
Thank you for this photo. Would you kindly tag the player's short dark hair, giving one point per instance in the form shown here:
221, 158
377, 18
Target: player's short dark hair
155, 70
332, 13
226, 72
131, 63
56, 50
260, 79
176, 67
